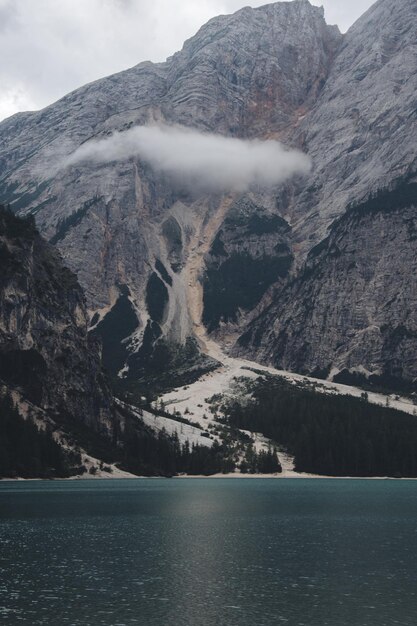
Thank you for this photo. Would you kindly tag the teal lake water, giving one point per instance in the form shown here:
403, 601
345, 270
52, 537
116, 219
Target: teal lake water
208, 552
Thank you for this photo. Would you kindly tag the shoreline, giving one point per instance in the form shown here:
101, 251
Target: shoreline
231, 476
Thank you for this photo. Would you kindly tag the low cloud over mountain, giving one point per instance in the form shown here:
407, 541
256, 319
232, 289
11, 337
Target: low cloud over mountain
196, 158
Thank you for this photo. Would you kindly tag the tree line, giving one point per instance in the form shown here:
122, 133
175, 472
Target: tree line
145, 453
30, 452
329, 434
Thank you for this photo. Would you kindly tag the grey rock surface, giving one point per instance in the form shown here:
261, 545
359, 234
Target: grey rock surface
46, 352
354, 305
361, 134
277, 71
356, 309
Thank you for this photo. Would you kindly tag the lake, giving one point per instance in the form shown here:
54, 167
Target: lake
208, 552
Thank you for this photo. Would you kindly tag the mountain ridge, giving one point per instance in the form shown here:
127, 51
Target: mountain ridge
277, 71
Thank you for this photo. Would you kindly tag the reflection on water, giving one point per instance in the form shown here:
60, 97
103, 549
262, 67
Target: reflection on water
209, 552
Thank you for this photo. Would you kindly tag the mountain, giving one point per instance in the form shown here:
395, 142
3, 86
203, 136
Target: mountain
49, 363
312, 275
45, 348
58, 416
349, 312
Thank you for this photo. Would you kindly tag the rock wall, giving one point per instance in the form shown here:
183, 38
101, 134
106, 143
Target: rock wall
162, 265
351, 313
46, 352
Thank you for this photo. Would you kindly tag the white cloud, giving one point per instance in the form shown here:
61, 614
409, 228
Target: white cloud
199, 159
49, 47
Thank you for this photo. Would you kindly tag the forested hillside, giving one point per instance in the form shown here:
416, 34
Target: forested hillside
328, 434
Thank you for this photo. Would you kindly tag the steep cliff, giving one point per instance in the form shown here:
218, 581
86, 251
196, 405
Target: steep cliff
46, 354
351, 313
163, 266
352, 306
58, 416
361, 133
135, 240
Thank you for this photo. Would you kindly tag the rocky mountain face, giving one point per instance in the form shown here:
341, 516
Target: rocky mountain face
361, 132
352, 306
58, 416
163, 267
47, 356
351, 312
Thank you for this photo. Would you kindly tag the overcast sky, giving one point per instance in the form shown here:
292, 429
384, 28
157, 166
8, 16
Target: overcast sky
49, 47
